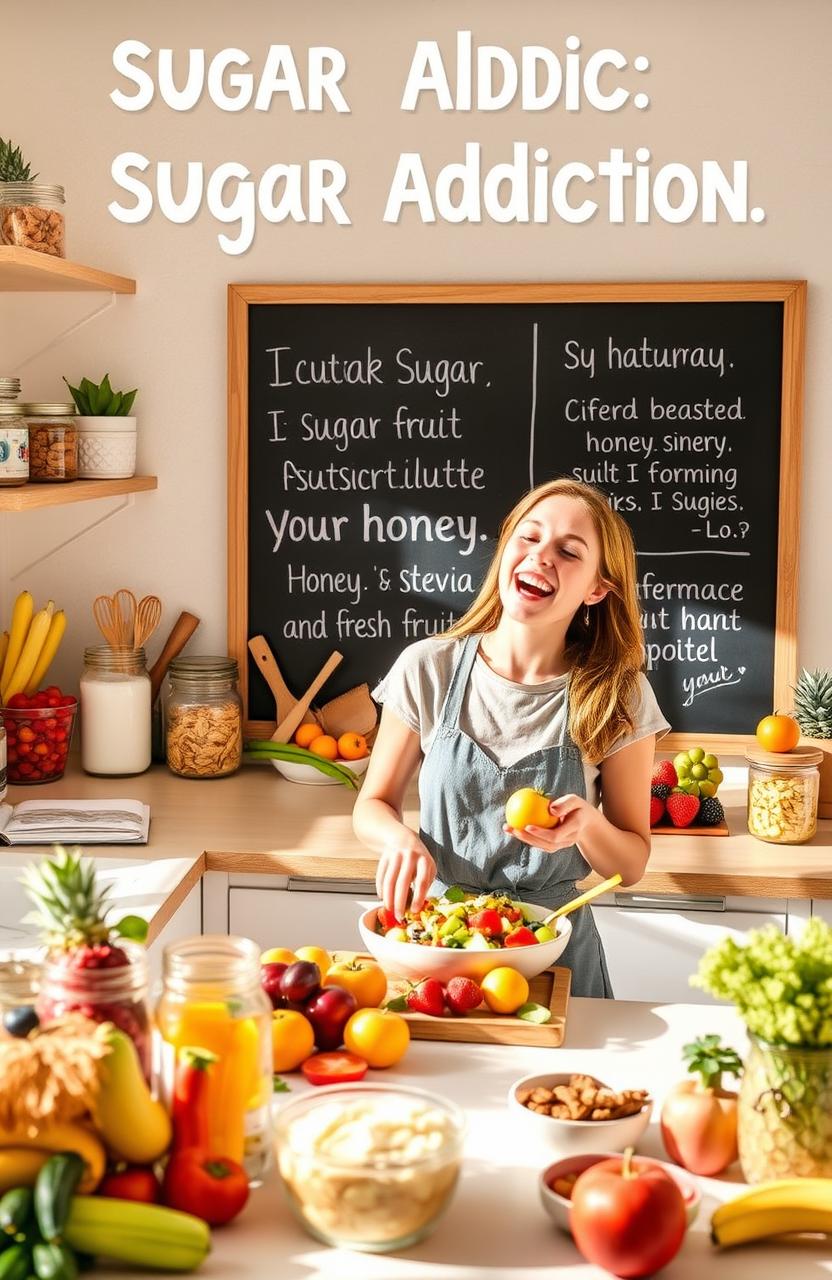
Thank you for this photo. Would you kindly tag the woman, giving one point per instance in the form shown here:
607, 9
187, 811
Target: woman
538, 685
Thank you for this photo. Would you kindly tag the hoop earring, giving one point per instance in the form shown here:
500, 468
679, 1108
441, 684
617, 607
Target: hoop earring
586, 615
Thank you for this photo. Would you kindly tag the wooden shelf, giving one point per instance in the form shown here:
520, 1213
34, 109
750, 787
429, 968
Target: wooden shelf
26, 497
26, 270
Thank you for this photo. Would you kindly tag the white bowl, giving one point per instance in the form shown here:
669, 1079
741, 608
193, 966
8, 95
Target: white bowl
559, 1208
412, 960
312, 777
576, 1137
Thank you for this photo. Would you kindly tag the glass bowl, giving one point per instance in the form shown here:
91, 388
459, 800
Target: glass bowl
37, 742
369, 1166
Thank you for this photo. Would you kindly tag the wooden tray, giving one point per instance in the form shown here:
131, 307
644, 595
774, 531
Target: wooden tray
668, 829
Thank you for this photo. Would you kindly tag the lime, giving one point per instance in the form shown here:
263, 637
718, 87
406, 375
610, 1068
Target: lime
697, 754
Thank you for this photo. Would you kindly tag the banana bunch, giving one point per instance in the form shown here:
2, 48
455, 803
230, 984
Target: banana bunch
28, 647
774, 1209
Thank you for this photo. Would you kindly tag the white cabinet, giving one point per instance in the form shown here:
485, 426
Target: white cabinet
653, 943
186, 922
301, 912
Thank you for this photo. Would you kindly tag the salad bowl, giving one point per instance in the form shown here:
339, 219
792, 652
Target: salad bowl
420, 960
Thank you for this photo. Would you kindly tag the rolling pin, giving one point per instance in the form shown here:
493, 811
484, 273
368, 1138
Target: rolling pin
181, 632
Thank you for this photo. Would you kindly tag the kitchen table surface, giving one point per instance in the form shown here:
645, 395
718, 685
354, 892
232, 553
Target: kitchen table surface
495, 1225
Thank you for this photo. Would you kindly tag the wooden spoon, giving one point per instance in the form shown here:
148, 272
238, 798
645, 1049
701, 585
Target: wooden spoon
284, 699
289, 723
148, 617
594, 892
181, 632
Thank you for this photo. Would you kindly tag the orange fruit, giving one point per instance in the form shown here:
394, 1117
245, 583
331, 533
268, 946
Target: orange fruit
315, 955
778, 733
278, 955
325, 746
529, 808
293, 1039
379, 1036
504, 990
364, 978
306, 734
352, 746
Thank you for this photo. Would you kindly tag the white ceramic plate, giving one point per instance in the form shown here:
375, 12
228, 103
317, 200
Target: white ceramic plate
308, 775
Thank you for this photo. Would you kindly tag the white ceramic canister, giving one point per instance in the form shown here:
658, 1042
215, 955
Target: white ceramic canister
115, 711
106, 448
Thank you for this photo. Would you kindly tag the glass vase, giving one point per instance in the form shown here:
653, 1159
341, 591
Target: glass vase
785, 1113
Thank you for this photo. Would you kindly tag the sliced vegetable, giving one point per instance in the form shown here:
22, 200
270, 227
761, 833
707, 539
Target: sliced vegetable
339, 1067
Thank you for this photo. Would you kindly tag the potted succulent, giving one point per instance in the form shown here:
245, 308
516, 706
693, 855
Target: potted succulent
813, 712
30, 212
106, 431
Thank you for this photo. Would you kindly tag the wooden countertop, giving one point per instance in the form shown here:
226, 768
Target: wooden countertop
257, 822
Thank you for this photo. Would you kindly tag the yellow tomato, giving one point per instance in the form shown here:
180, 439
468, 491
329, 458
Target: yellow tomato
315, 955
379, 1036
529, 808
504, 990
293, 1039
278, 955
778, 733
364, 978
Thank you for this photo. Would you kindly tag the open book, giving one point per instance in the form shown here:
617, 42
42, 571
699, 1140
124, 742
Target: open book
74, 822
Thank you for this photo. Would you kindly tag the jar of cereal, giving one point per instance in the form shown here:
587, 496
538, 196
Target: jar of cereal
203, 717
783, 789
53, 441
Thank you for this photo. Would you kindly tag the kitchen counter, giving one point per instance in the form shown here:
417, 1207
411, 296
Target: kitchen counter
257, 822
495, 1226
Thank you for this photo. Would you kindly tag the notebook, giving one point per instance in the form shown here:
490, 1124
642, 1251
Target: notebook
74, 822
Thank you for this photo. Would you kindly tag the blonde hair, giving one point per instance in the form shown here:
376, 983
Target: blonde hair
605, 656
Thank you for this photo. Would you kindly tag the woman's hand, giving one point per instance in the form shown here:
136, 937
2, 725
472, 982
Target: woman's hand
404, 863
576, 819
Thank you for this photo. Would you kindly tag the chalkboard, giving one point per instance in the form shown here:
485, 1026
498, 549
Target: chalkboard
379, 434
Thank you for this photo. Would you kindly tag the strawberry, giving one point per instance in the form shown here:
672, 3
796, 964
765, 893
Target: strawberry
426, 996
664, 773
657, 810
682, 808
462, 994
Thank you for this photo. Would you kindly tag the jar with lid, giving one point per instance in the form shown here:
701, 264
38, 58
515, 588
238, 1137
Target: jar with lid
19, 985
115, 711
14, 445
211, 997
53, 441
783, 788
31, 217
203, 717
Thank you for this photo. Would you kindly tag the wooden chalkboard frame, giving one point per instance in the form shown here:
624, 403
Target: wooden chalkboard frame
791, 293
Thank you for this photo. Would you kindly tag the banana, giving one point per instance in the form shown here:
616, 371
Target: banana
21, 617
54, 636
774, 1208
4, 645
147, 1235
30, 653
62, 1137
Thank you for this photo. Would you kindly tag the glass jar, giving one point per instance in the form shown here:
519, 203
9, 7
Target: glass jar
212, 999
31, 217
784, 1116
115, 711
19, 984
116, 994
203, 717
53, 441
783, 788
14, 445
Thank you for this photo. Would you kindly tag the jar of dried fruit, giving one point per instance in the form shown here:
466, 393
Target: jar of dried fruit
53, 441
31, 217
14, 445
203, 717
783, 788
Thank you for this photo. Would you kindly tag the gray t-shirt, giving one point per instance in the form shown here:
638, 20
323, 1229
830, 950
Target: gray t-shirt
508, 720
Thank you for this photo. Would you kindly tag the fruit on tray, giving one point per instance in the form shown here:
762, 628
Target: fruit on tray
280, 955
28, 647
293, 1039
682, 808
38, 731
300, 981
529, 808
364, 978
778, 732
504, 990
379, 1036
462, 995
772, 1209
316, 955
329, 1012
699, 1117
210, 1187
698, 772
480, 924
271, 976
427, 996
657, 810
711, 812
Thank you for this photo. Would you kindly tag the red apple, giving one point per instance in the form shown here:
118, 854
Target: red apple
300, 981
329, 1012
628, 1216
270, 977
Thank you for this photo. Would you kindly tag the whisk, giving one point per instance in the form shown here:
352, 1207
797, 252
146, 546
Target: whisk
108, 620
148, 617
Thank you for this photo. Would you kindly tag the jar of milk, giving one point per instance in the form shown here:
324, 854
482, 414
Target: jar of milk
115, 711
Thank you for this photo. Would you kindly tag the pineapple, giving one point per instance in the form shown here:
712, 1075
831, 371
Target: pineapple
13, 168
813, 703
70, 912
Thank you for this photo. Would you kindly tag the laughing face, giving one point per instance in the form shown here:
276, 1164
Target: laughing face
550, 566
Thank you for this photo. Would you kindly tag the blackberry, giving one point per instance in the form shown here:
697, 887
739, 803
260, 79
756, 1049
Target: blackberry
711, 812
661, 790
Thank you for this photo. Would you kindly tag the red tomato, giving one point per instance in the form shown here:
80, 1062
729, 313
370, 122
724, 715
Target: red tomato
211, 1187
488, 921
339, 1067
627, 1217
133, 1183
520, 938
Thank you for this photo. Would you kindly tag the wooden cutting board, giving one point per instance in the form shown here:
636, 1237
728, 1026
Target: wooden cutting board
668, 829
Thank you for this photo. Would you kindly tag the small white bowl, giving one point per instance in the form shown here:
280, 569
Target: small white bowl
309, 776
559, 1208
576, 1137
412, 960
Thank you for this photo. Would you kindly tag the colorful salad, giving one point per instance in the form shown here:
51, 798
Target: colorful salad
492, 920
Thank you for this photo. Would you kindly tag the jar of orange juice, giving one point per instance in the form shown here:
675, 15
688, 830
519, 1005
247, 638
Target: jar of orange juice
212, 999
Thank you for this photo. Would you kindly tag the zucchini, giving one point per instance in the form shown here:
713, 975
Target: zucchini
54, 1262
15, 1263
54, 1188
16, 1210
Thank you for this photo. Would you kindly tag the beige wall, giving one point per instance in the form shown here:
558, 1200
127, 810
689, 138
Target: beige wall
745, 79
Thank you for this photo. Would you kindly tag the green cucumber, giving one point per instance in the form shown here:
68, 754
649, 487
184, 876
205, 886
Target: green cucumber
15, 1263
54, 1188
54, 1262
16, 1211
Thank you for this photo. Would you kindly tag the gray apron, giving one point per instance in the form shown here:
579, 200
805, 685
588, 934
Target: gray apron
463, 794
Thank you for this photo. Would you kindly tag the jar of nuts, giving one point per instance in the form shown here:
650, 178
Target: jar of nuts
31, 217
783, 791
53, 441
203, 717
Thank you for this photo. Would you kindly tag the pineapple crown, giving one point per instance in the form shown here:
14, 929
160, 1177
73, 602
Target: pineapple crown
13, 168
813, 703
70, 907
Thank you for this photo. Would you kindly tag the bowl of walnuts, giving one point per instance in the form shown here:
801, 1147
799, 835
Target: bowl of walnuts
576, 1114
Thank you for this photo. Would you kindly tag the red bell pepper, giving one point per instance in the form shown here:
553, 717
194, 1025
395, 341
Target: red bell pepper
211, 1187
189, 1112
